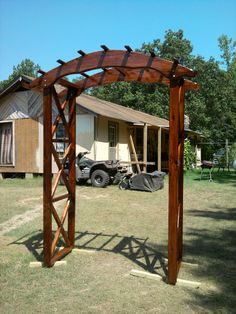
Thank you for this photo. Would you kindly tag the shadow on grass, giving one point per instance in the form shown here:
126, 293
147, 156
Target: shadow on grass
226, 214
33, 242
133, 248
223, 177
216, 249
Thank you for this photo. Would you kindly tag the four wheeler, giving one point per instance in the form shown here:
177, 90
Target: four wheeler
101, 173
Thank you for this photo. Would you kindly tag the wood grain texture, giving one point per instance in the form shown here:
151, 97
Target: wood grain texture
47, 181
111, 59
128, 75
176, 138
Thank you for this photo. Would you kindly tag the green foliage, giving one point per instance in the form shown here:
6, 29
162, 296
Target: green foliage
189, 156
227, 46
26, 67
232, 153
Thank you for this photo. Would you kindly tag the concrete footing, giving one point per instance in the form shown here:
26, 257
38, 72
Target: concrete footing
180, 282
40, 264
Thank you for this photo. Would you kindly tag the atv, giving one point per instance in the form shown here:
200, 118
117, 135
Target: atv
101, 173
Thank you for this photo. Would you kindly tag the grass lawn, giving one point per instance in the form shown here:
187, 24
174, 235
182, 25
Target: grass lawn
127, 230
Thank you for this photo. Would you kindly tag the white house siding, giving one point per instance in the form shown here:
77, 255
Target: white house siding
85, 134
102, 145
123, 146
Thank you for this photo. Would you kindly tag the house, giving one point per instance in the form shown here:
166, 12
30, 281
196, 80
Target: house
105, 129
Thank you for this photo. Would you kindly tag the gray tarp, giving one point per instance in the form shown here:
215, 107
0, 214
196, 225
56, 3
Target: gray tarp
149, 182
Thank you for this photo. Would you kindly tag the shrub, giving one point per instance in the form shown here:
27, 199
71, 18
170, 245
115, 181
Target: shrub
190, 157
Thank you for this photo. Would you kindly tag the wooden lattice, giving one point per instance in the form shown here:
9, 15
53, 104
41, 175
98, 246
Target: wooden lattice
115, 66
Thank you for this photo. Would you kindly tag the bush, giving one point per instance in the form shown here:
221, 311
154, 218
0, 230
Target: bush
190, 157
232, 154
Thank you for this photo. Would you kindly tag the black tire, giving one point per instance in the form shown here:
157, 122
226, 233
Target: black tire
81, 181
100, 178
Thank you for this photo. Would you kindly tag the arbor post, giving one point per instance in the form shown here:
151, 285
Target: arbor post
72, 182
47, 180
176, 144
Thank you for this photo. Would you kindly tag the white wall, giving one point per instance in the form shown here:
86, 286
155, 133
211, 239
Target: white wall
85, 134
102, 145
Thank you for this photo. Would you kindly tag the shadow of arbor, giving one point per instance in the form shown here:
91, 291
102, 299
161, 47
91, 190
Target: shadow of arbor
216, 249
133, 248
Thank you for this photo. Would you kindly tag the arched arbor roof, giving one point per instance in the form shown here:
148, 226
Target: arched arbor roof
115, 66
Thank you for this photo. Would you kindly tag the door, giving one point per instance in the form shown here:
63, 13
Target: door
113, 139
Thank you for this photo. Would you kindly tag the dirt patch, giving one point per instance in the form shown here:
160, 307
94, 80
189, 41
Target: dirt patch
19, 220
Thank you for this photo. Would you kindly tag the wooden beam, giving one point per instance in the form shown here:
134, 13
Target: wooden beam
71, 167
134, 151
137, 163
47, 181
180, 173
173, 183
159, 150
145, 134
122, 74
112, 58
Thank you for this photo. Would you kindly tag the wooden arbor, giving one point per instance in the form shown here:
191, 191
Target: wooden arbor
115, 65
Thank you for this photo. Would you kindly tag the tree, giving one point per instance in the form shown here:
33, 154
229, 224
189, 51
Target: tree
150, 98
173, 46
26, 67
227, 47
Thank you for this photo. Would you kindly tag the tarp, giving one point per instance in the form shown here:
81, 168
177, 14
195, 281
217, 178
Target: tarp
149, 182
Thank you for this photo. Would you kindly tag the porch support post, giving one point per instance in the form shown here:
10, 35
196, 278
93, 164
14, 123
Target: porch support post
159, 150
72, 157
176, 140
145, 131
134, 150
47, 178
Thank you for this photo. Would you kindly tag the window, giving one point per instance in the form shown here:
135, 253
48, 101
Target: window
112, 134
61, 134
6, 143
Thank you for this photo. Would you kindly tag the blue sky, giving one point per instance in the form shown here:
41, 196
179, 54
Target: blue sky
45, 30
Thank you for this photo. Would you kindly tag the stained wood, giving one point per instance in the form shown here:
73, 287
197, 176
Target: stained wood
71, 167
117, 65
124, 74
111, 58
60, 197
47, 183
62, 253
173, 183
60, 229
180, 174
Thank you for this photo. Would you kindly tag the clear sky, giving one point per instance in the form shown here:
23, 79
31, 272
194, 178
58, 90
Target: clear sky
47, 30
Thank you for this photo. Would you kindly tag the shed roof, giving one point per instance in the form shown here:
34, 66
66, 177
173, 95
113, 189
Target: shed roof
111, 110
